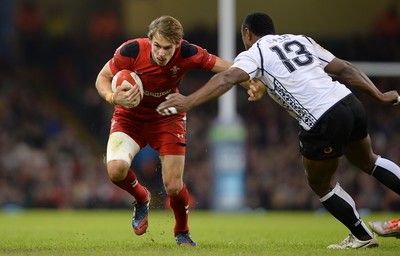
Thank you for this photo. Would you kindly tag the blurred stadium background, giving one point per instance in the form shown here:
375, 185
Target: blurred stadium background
54, 126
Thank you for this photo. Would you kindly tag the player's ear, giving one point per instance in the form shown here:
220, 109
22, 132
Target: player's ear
247, 33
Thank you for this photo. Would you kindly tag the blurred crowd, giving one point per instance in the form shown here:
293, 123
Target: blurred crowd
54, 126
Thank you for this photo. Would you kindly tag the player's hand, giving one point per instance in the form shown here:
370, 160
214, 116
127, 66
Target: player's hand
256, 90
174, 103
391, 97
125, 95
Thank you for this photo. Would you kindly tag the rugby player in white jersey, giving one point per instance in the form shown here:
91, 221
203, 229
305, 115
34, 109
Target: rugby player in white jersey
296, 72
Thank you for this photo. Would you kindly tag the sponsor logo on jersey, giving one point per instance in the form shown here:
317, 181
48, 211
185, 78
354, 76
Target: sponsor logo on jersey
156, 94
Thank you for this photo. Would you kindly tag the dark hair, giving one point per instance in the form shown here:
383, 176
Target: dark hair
259, 23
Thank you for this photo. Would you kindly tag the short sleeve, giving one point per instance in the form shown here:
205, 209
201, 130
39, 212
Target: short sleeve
324, 55
248, 62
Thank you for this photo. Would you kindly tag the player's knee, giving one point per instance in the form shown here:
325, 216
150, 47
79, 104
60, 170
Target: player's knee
117, 170
320, 188
369, 165
365, 165
173, 187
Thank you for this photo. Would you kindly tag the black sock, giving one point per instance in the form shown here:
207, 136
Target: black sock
388, 173
343, 208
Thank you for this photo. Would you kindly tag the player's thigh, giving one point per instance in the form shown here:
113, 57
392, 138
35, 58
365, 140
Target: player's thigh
172, 166
320, 174
126, 138
172, 172
320, 171
120, 146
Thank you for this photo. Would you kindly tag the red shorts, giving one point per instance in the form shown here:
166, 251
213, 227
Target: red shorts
167, 134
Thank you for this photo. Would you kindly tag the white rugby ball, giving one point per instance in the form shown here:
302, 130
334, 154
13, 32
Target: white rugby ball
128, 77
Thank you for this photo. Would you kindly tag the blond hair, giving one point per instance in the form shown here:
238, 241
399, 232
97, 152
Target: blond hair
168, 27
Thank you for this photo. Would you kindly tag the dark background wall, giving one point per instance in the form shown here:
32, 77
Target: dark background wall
54, 126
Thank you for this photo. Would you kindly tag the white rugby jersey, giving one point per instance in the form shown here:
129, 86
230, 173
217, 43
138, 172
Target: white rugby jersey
292, 68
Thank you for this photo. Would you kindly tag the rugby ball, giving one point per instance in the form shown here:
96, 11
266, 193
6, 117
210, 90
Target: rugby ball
128, 77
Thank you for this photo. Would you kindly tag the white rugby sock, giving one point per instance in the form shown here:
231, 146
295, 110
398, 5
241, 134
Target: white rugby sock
388, 173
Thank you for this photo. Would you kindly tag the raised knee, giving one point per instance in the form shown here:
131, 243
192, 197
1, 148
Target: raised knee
117, 170
173, 187
321, 189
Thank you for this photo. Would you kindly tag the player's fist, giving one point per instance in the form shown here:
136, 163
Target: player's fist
256, 90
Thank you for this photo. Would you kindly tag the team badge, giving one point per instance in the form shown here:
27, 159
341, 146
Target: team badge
174, 70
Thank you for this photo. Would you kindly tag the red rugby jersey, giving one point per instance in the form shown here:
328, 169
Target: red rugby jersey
159, 81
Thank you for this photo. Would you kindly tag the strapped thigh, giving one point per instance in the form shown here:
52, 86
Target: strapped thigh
121, 147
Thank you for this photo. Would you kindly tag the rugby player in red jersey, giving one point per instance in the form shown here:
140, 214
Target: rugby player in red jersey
161, 61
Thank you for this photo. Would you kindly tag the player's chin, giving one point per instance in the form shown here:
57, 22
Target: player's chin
162, 63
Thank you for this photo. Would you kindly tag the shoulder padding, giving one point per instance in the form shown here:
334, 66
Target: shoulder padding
130, 50
188, 50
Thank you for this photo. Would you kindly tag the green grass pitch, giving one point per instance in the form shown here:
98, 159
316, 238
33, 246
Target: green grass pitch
108, 232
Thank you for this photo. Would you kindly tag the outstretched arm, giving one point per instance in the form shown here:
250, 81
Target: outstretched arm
215, 87
352, 76
255, 88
